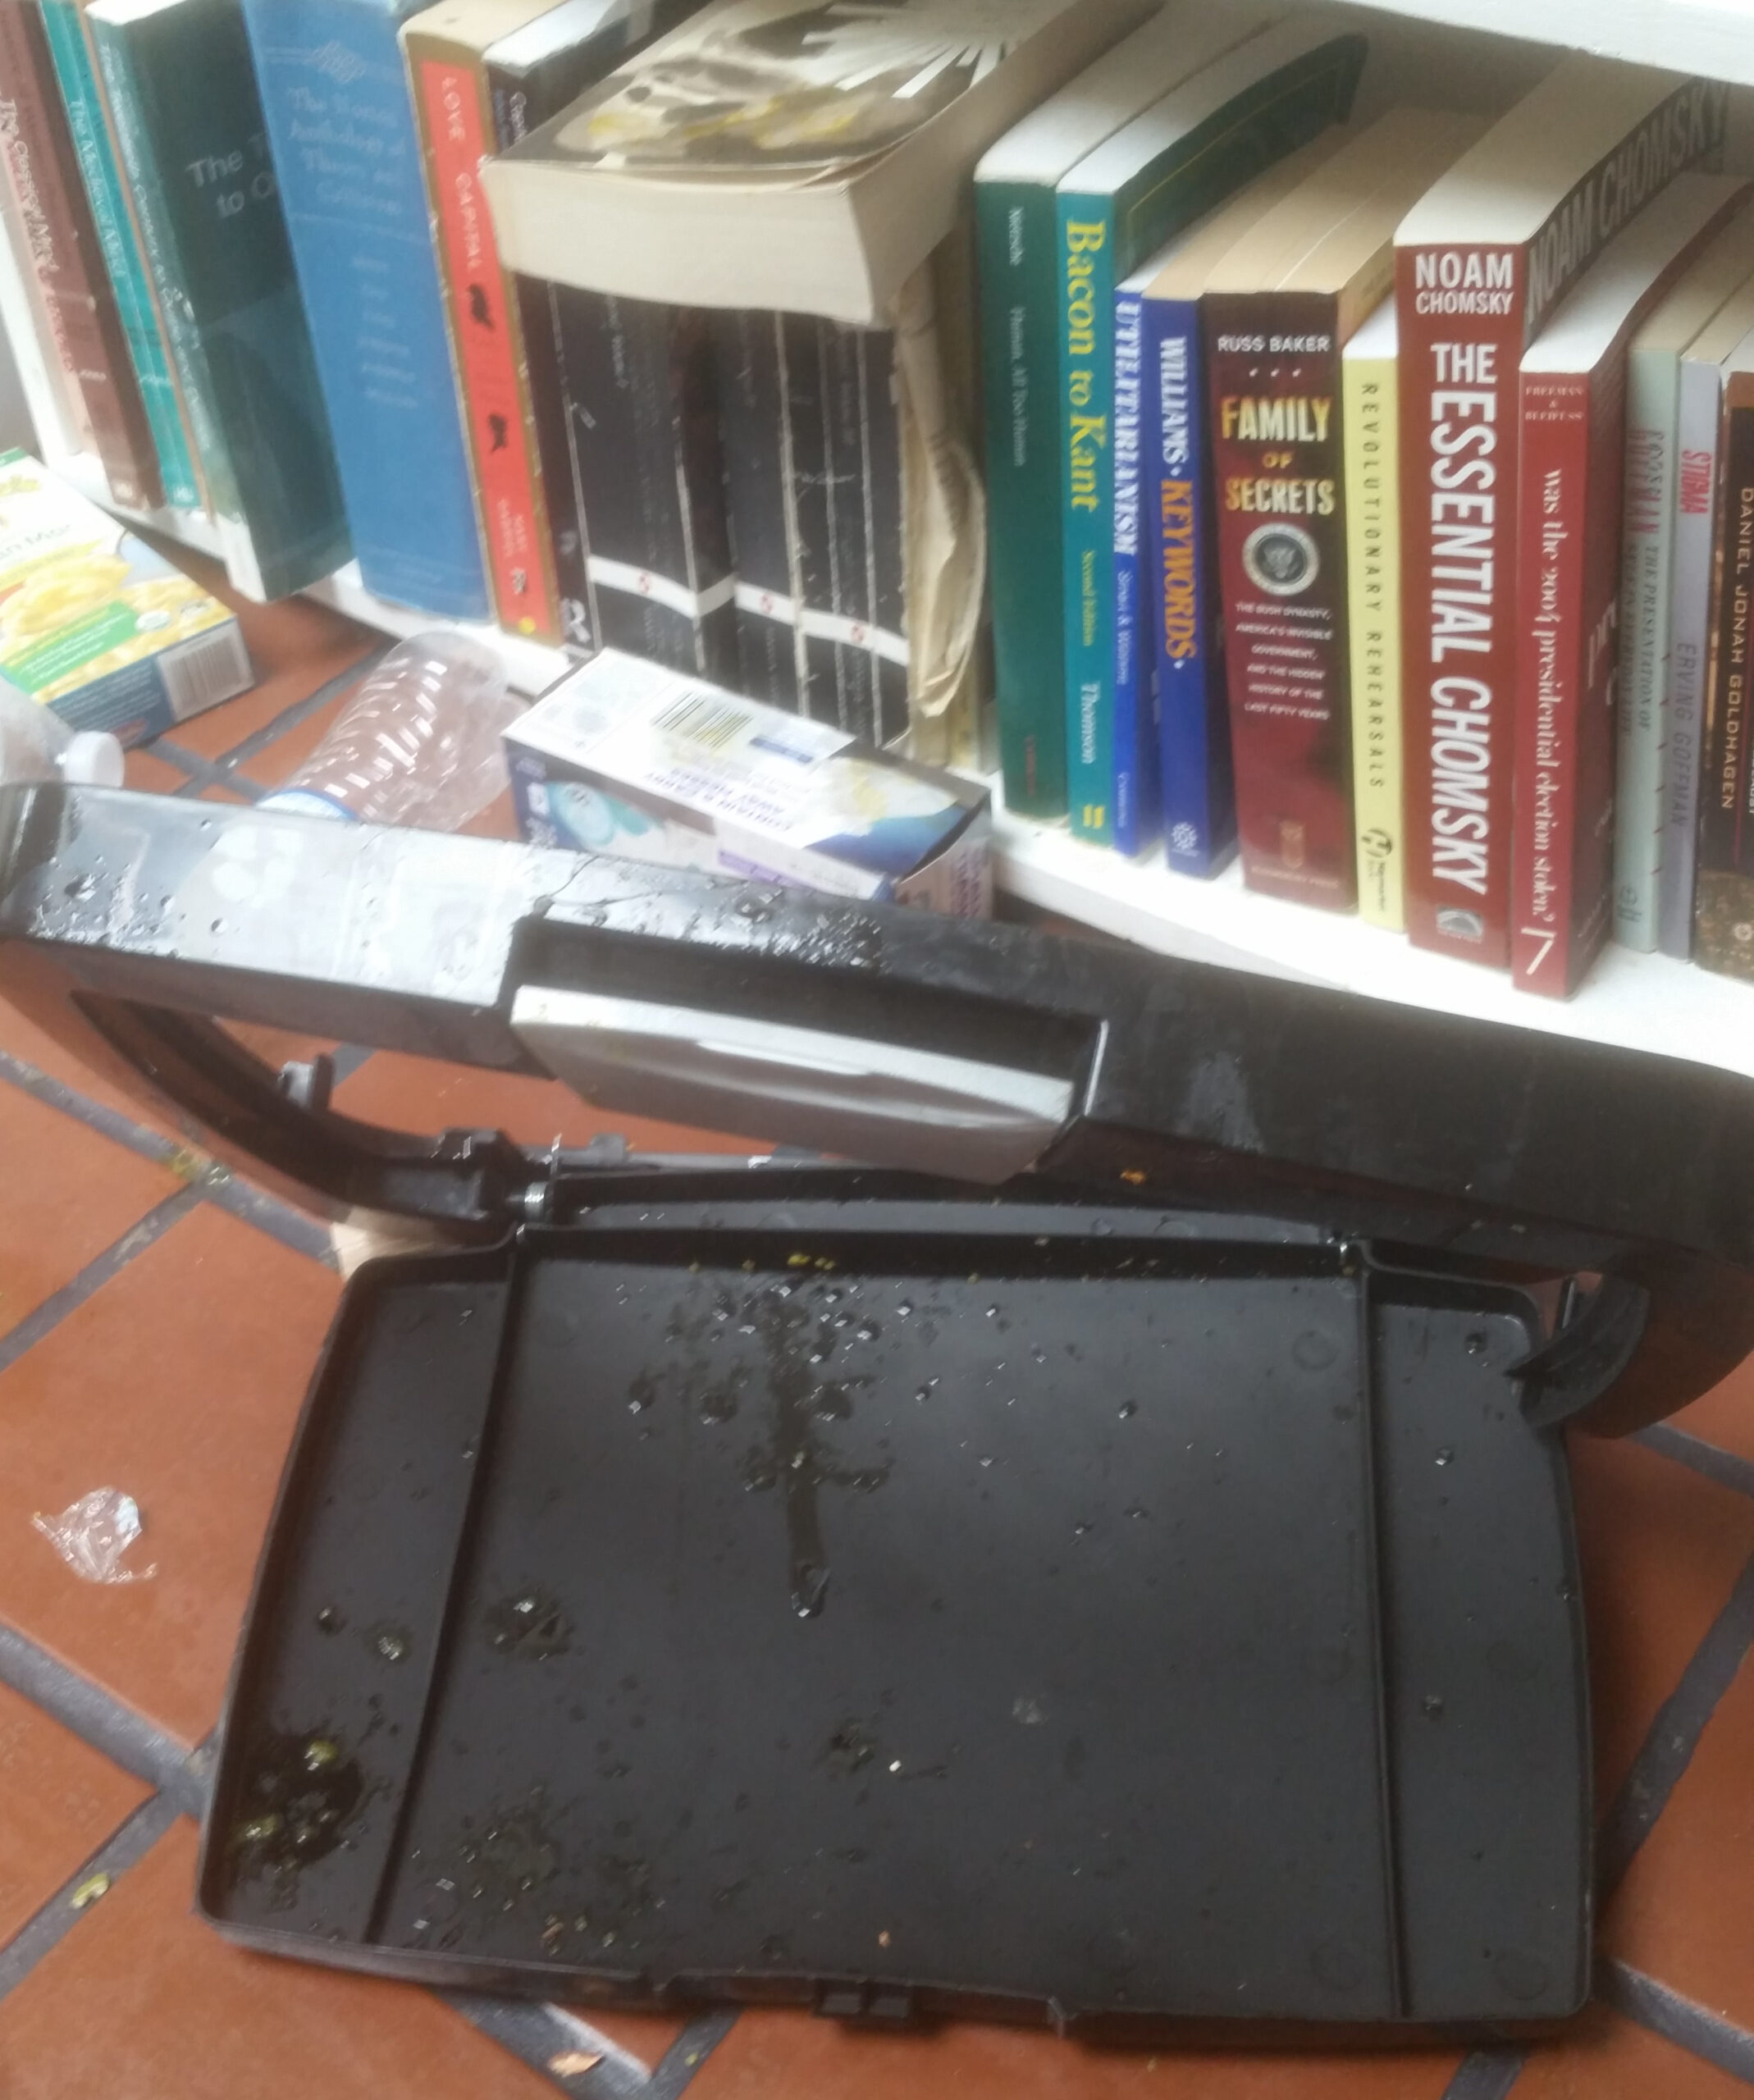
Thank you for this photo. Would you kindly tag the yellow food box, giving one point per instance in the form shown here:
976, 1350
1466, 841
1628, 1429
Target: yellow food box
96, 625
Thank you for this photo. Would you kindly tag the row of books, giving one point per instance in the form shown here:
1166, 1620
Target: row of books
631, 322
1322, 522
266, 277
1306, 449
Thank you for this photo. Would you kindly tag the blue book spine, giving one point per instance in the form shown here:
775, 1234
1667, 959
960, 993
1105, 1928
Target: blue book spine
78, 81
1135, 759
1186, 647
341, 130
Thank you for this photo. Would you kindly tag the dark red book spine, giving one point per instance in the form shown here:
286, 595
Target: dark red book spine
1573, 431
67, 259
1724, 891
1465, 314
1273, 368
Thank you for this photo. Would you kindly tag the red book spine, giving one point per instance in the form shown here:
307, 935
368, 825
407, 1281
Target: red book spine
1461, 317
1568, 598
1274, 366
67, 260
485, 333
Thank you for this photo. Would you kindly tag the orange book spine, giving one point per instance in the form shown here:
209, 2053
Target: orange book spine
484, 335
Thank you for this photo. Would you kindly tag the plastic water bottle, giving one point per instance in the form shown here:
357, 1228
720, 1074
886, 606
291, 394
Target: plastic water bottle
417, 744
36, 744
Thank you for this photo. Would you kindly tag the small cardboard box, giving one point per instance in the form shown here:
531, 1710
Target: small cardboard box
629, 758
96, 625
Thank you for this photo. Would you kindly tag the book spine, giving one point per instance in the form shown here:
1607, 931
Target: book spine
1551, 599
1464, 314
1185, 641
1369, 410
1460, 341
82, 102
149, 206
642, 416
849, 577
1724, 894
1459, 315
184, 76
1273, 381
885, 527
538, 306
1647, 567
758, 501
67, 258
1016, 233
1699, 401
517, 107
341, 126
454, 104
1086, 298
1133, 790
801, 376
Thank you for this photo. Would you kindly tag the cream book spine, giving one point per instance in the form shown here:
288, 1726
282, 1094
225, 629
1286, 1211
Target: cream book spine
1370, 428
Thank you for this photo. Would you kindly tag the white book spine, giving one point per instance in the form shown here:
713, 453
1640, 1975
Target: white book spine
1690, 604
1647, 552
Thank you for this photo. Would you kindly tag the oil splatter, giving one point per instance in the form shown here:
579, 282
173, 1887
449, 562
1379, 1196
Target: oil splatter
296, 1804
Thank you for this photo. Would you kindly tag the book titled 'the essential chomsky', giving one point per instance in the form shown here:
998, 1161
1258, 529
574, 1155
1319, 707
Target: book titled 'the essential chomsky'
1481, 260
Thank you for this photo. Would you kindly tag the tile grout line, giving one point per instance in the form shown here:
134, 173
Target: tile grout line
1664, 1755
104, 1724
1486, 2073
124, 1846
536, 2033
227, 769
49, 1315
300, 710
684, 2058
1664, 2012
1673, 1737
213, 1182
224, 771
1717, 1464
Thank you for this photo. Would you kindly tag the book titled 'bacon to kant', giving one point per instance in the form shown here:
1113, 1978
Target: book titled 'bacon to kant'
1481, 260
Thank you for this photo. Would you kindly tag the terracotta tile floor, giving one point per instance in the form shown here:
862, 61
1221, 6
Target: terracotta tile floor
158, 1324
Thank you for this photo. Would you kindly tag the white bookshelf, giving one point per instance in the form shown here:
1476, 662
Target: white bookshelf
1638, 1002
1478, 48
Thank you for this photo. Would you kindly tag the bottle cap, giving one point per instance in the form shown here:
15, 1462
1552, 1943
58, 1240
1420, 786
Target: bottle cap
93, 759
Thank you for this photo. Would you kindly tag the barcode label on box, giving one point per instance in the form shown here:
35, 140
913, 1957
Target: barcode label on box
206, 669
705, 718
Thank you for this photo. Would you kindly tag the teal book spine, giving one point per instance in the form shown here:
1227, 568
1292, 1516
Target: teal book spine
1087, 362
151, 217
188, 125
1015, 228
83, 104
1102, 237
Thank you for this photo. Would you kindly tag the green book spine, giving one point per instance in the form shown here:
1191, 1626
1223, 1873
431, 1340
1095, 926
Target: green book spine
151, 218
121, 255
188, 121
1020, 354
1087, 361
1102, 237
